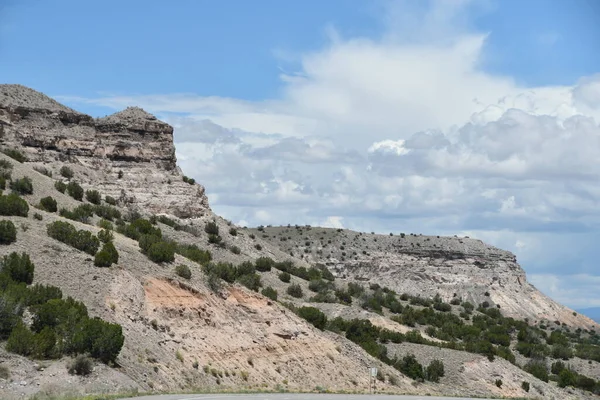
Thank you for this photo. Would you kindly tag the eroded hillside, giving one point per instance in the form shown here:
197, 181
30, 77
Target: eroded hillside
205, 304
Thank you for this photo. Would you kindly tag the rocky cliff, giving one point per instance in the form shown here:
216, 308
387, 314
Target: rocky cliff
128, 155
425, 265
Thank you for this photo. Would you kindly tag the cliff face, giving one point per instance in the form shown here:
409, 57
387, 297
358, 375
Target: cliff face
128, 155
425, 265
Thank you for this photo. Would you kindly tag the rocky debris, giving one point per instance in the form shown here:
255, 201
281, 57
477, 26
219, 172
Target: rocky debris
129, 155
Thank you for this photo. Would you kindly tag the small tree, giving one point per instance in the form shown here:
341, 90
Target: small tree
18, 267
270, 293
22, 186
48, 204
294, 290
211, 228
81, 365
525, 386
60, 186
435, 370
285, 277
93, 196
314, 316
264, 264
66, 172
75, 191
183, 271
161, 252
8, 232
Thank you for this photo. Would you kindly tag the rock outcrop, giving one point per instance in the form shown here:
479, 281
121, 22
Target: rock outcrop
128, 155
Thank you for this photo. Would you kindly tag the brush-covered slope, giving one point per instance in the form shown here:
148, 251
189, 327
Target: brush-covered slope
426, 265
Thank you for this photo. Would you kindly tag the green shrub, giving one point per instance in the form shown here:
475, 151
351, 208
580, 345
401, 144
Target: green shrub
285, 277
18, 267
183, 271
66, 172
314, 316
22, 186
21, 340
410, 367
93, 196
44, 344
48, 204
192, 252
15, 155
434, 371
60, 186
68, 234
235, 250
270, 293
145, 241
105, 224
75, 191
264, 264
38, 216
233, 231
107, 256
566, 378
81, 365
225, 271
103, 340
537, 368
295, 290
160, 252
525, 386
557, 366
138, 227
105, 236
8, 232
211, 228
110, 200
81, 213
251, 281
245, 268
214, 239
498, 383
186, 179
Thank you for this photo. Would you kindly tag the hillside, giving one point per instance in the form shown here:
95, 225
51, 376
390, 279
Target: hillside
256, 309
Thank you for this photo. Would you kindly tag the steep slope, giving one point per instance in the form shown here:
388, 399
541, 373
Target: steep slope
426, 265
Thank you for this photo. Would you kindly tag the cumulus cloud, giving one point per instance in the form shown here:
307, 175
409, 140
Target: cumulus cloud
405, 132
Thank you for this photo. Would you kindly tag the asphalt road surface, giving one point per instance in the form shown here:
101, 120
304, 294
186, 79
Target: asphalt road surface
290, 396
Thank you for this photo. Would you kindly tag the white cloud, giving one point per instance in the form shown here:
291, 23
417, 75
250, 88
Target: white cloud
404, 133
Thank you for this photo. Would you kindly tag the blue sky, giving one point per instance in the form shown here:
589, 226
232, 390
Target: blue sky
442, 117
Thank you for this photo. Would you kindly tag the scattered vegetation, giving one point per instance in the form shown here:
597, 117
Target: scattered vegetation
183, 271
80, 239
22, 186
15, 155
8, 232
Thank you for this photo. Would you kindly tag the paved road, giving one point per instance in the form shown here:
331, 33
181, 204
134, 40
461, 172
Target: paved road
290, 396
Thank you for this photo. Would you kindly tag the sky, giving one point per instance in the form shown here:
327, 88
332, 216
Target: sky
477, 118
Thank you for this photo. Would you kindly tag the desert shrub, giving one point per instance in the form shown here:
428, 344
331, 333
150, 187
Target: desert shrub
48, 204
183, 271
285, 277
191, 181
455, 301
498, 383
295, 290
60, 186
110, 200
103, 340
18, 267
81, 365
93, 196
8, 232
107, 256
106, 212
22, 186
270, 293
314, 316
318, 285
525, 386
15, 155
251, 281
211, 228
355, 289
105, 224
562, 351
66, 172
68, 234
222, 270
566, 378
537, 368
138, 227
4, 372
39, 294
410, 367
160, 252
557, 366
81, 213
44, 344
105, 236
343, 296
264, 264
43, 171
233, 231
75, 190
192, 252
235, 250
21, 340
245, 268
214, 239
434, 371
145, 241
